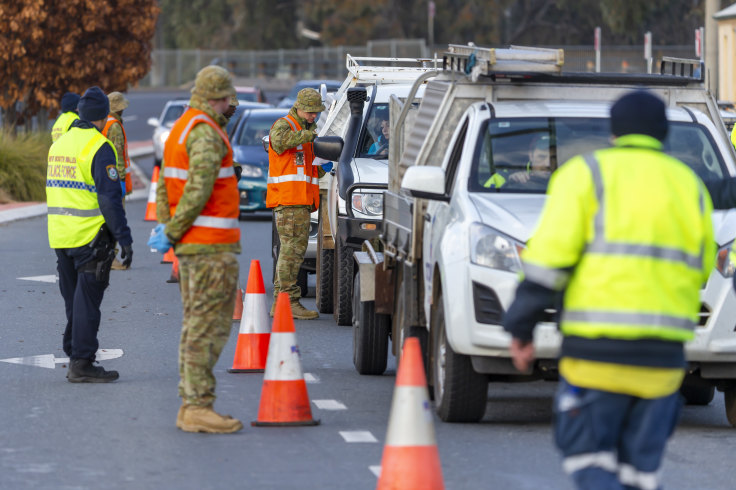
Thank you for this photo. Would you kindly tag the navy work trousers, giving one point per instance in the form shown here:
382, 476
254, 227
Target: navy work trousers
82, 294
613, 441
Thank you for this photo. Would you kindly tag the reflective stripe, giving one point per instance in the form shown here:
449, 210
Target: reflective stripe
180, 173
214, 222
299, 147
550, 278
600, 245
70, 184
605, 460
627, 319
83, 213
630, 476
202, 118
293, 178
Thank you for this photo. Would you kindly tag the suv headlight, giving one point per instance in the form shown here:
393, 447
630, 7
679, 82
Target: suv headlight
251, 171
368, 203
724, 264
491, 248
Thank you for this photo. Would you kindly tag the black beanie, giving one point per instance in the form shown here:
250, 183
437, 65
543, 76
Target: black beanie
69, 102
94, 105
639, 112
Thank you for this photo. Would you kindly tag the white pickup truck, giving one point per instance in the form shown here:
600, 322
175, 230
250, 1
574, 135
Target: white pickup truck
451, 235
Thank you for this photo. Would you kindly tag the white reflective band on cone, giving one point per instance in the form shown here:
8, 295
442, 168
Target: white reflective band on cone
283, 358
255, 315
411, 418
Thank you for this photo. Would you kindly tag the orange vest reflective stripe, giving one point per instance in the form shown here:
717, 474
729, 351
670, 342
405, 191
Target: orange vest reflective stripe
218, 221
292, 180
108, 124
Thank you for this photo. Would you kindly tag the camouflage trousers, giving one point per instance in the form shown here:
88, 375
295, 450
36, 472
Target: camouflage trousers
292, 225
207, 283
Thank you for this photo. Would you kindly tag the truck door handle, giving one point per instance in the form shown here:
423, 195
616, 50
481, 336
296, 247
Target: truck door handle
427, 217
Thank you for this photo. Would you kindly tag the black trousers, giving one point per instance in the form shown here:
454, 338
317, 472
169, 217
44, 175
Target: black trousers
82, 295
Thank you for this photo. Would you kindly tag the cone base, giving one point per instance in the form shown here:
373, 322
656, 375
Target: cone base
410, 467
172, 281
256, 423
233, 370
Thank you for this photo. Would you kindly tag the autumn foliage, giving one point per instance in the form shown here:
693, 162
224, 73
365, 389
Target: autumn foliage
49, 47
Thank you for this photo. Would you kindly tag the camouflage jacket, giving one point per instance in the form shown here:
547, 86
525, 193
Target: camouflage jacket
206, 151
115, 135
282, 137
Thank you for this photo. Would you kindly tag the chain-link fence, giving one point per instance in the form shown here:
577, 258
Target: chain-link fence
179, 67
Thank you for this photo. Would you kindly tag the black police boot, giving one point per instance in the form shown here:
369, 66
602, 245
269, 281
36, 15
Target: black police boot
83, 371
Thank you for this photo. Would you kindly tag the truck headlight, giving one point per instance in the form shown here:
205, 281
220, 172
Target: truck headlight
368, 203
251, 171
724, 264
491, 248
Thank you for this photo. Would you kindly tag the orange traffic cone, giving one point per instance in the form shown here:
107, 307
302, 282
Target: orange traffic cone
151, 205
252, 349
168, 256
410, 457
238, 310
284, 398
174, 277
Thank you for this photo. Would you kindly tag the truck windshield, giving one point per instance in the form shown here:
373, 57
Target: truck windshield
519, 155
375, 137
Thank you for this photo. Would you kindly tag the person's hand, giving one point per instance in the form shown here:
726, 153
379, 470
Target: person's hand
327, 166
519, 177
522, 354
159, 241
126, 253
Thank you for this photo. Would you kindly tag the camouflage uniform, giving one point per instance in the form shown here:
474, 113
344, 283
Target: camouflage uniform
292, 222
118, 103
208, 273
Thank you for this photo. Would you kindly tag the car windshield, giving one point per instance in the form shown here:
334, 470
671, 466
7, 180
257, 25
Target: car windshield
248, 96
172, 113
374, 141
519, 155
253, 129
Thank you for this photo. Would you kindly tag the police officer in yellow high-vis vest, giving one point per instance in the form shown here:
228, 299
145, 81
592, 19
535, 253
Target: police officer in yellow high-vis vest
85, 219
625, 241
68, 115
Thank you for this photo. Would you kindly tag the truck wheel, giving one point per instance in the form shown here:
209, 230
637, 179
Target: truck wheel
729, 399
301, 281
696, 390
343, 285
325, 265
370, 335
460, 394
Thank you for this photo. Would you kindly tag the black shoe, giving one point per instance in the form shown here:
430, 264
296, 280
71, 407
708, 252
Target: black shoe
83, 371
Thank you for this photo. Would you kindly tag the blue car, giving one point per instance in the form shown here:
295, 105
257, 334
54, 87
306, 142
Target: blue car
245, 138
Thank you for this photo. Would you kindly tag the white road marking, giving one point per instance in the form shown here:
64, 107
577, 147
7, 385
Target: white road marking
376, 470
52, 278
48, 361
310, 378
357, 436
329, 405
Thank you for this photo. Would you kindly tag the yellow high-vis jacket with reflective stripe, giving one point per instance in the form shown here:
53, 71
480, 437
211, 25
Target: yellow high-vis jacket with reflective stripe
74, 215
62, 124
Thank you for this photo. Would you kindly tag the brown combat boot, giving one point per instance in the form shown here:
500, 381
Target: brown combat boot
118, 266
180, 415
299, 312
204, 419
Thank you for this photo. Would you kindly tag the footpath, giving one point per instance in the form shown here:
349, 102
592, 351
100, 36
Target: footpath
136, 149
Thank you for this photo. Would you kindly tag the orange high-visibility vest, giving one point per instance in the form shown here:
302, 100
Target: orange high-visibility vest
218, 221
292, 180
108, 124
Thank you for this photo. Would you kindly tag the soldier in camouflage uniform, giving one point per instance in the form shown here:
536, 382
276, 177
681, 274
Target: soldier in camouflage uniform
114, 133
293, 205
197, 177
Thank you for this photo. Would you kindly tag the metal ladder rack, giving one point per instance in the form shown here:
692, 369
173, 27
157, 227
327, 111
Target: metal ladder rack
476, 61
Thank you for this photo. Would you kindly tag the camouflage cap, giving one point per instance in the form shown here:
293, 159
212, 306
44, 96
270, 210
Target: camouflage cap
309, 100
118, 102
213, 82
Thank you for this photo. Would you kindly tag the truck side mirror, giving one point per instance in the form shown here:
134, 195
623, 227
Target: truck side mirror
266, 142
425, 182
152, 121
328, 147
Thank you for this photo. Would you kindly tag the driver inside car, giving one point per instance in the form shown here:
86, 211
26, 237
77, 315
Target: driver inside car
538, 167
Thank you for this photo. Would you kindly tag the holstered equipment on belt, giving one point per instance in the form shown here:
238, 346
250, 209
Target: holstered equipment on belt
103, 246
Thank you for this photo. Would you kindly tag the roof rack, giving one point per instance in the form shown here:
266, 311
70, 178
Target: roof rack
475, 61
389, 70
690, 68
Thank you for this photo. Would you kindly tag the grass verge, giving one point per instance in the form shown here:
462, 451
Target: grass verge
23, 166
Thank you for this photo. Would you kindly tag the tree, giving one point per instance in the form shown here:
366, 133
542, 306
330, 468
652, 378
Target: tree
49, 47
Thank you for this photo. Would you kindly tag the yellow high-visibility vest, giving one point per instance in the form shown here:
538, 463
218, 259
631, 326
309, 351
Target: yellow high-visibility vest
74, 215
62, 124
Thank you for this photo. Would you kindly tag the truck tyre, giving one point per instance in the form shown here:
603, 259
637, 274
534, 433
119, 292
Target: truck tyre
460, 394
370, 335
343, 285
696, 390
729, 399
325, 265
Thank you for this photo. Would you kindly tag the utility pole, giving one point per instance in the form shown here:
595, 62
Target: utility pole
711, 46
430, 25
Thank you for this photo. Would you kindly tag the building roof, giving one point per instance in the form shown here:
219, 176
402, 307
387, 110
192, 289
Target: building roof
727, 13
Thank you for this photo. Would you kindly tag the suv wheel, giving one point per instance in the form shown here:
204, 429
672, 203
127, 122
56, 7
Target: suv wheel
370, 335
729, 399
325, 265
696, 390
460, 394
343, 284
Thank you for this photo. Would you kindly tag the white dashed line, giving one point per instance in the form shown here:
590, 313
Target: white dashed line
310, 378
329, 405
358, 436
376, 470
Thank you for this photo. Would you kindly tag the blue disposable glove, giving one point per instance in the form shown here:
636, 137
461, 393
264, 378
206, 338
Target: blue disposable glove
327, 166
159, 241
122, 185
